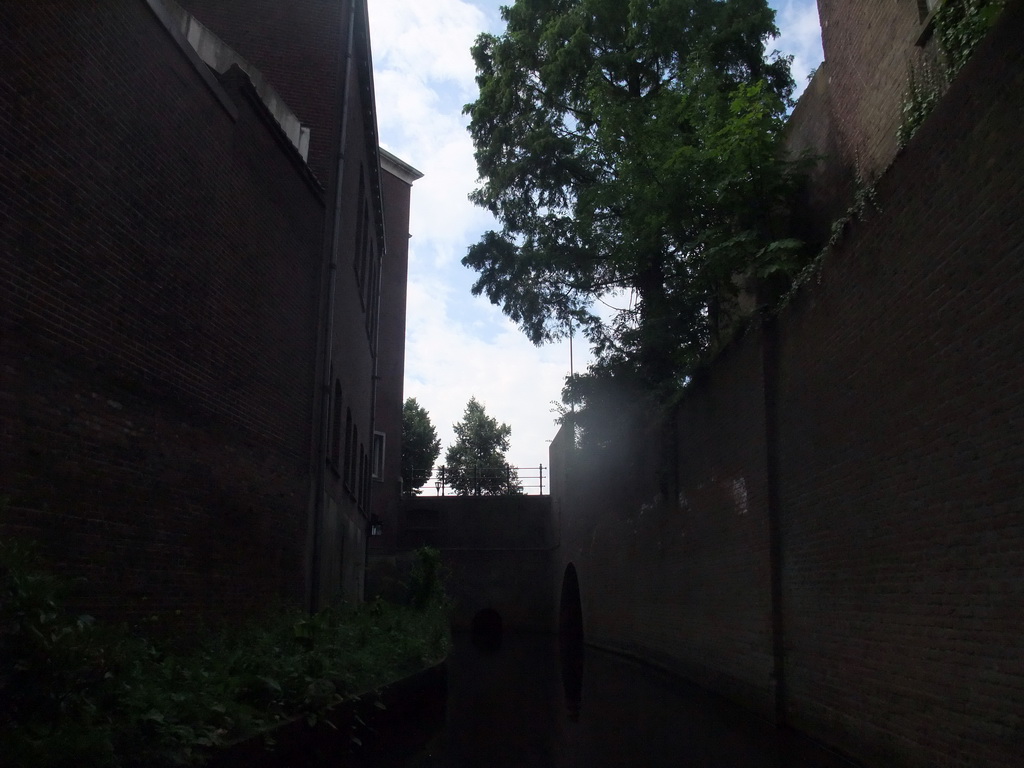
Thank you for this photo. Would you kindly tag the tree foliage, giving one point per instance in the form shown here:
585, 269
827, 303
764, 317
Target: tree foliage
420, 446
475, 463
629, 150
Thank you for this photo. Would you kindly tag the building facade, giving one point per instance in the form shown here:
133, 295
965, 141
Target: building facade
192, 234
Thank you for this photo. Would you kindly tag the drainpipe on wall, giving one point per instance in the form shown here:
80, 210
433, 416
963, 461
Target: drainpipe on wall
376, 362
375, 347
769, 374
326, 331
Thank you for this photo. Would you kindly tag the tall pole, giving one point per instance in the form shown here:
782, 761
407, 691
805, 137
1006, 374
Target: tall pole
572, 403
570, 350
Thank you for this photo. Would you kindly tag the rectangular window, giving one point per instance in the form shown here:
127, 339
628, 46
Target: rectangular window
925, 7
361, 231
347, 468
378, 455
335, 447
353, 467
361, 490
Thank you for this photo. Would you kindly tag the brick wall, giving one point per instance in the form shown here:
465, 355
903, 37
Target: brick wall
869, 46
813, 140
900, 451
499, 554
298, 46
847, 119
679, 573
158, 308
884, 473
391, 356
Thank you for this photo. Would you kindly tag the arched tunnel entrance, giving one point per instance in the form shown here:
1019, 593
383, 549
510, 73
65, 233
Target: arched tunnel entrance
570, 641
570, 611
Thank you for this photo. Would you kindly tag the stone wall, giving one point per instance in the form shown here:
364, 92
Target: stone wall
499, 551
835, 535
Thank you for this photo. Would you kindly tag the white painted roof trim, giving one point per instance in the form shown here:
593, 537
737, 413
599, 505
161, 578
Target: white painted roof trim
219, 56
398, 167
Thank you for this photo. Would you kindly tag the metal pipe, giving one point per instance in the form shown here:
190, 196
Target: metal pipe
327, 325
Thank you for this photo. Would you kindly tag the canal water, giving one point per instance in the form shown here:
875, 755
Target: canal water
522, 702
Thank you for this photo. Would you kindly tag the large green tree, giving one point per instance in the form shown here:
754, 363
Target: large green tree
629, 149
475, 463
420, 446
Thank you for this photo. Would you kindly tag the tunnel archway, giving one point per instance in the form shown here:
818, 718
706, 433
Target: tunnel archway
570, 641
570, 610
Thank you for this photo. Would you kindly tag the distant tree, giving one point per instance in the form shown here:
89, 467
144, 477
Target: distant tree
420, 446
475, 463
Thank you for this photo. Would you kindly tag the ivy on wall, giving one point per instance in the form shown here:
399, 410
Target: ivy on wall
959, 25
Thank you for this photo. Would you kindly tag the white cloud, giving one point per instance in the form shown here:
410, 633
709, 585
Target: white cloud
454, 353
800, 36
429, 38
457, 346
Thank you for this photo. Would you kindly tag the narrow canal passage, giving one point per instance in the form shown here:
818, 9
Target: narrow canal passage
523, 704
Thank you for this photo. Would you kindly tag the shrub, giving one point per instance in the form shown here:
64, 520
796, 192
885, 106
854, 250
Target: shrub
73, 693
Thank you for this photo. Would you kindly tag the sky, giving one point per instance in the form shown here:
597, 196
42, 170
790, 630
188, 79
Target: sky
459, 345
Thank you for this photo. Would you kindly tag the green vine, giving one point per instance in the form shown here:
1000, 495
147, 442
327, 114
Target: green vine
864, 199
74, 692
959, 26
925, 85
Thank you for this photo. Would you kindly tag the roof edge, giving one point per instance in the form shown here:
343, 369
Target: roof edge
398, 167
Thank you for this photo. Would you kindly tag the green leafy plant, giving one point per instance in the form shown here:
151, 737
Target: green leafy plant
959, 26
925, 84
420, 447
73, 693
475, 463
864, 200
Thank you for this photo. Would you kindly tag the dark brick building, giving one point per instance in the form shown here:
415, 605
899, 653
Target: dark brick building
397, 177
192, 238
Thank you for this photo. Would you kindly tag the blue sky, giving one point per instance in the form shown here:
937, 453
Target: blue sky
459, 345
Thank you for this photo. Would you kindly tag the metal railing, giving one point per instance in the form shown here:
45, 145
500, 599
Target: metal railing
504, 480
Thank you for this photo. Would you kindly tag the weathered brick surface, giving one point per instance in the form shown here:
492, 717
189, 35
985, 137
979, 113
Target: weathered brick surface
869, 48
813, 140
499, 554
298, 46
900, 422
387, 492
160, 271
896, 454
680, 573
848, 117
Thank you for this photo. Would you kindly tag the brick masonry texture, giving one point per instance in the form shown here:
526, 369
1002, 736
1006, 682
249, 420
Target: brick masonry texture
684, 587
900, 449
497, 552
297, 45
391, 357
161, 264
884, 473
870, 47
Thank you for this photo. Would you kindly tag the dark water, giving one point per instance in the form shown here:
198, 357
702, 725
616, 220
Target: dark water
521, 705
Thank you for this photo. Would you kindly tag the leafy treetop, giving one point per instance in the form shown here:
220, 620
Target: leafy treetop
475, 463
629, 150
420, 446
